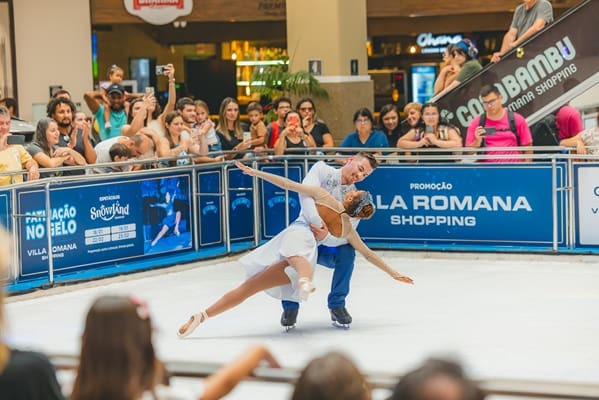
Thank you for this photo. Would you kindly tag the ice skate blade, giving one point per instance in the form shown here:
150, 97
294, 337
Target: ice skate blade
289, 327
340, 325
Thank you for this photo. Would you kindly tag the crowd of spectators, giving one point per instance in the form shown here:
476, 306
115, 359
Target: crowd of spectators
132, 126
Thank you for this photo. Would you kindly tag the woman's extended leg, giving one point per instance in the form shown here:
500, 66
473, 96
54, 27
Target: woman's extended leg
160, 234
271, 277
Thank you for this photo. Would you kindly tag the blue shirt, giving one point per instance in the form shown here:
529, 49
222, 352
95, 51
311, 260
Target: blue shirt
376, 139
117, 120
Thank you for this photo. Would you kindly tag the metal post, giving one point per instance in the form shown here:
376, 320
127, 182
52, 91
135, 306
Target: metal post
570, 223
256, 201
225, 208
49, 234
17, 264
554, 201
195, 204
286, 174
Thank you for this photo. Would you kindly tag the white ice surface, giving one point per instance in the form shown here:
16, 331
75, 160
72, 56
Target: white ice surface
525, 317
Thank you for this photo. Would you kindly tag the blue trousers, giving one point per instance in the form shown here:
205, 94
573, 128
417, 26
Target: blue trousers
341, 259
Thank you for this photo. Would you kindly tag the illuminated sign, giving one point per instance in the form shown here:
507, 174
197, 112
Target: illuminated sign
430, 43
158, 12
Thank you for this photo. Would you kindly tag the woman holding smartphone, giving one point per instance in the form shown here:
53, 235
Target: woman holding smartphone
293, 136
434, 133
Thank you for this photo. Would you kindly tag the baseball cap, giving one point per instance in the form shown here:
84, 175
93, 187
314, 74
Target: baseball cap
115, 88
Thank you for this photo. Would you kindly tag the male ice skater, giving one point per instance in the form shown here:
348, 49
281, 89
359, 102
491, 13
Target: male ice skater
333, 252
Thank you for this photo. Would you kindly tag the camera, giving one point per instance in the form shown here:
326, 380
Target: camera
161, 69
15, 139
429, 129
149, 91
490, 131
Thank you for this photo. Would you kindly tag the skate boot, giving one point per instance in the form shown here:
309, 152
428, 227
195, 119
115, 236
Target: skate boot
289, 318
340, 317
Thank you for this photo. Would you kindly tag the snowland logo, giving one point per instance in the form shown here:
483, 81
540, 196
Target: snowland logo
109, 212
158, 12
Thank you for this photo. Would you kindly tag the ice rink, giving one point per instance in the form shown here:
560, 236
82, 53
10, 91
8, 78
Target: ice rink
503, 316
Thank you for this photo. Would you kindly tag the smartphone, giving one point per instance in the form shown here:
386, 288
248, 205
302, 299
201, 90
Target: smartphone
293, 120
490, 131
429, 129
247, 136
161, 69
15, 139
149, 91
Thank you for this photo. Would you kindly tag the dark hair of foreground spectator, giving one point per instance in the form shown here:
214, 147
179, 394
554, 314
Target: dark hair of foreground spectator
330, 377
116, 366
436, 379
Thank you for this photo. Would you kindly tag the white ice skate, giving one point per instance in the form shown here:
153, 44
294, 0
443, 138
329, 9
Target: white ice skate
192, 324
305, 288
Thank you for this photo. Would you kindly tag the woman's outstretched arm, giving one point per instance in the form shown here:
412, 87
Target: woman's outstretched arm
284, 183
354, 239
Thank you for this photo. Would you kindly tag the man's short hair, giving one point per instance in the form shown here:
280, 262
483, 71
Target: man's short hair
137, 139
119, 150
280, 100
4, 111
183, 102
374, 163
54, 103
254, 106
488, 89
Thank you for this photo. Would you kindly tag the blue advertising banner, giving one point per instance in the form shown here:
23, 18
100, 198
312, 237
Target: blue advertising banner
210, 213
241, 206
586, 178
5, 207
478, 204
104, 222
274, 201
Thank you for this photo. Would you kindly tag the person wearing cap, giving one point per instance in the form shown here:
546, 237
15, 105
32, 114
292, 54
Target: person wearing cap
115, 94
529, 17
465, 56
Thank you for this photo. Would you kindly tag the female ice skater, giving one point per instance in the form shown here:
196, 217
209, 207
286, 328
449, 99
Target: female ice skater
284, 268
172, 218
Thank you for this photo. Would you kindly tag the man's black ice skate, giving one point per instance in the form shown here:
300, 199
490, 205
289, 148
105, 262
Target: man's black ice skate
340, 317
289, 318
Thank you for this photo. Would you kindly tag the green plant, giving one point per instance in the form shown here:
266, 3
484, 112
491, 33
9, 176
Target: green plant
275, 80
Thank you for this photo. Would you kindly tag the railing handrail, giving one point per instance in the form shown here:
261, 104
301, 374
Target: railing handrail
378, 380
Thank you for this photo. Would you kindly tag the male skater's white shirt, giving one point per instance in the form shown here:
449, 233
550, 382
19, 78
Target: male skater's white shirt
328, 178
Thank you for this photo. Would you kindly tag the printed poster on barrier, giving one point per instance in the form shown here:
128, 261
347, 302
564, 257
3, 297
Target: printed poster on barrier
587, 212
5, 210
465, 204
209, 201
276, 202
241, 206
105, 222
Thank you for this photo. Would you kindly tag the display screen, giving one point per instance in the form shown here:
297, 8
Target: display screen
423, 82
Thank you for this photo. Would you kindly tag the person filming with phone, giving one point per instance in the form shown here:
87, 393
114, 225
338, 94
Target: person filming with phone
13, 156
431, 132
498, 127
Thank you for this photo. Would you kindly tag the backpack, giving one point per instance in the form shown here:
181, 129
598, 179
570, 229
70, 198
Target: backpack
545, 132
511, 120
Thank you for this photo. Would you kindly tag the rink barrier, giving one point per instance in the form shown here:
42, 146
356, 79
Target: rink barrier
517, 388
104, 224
